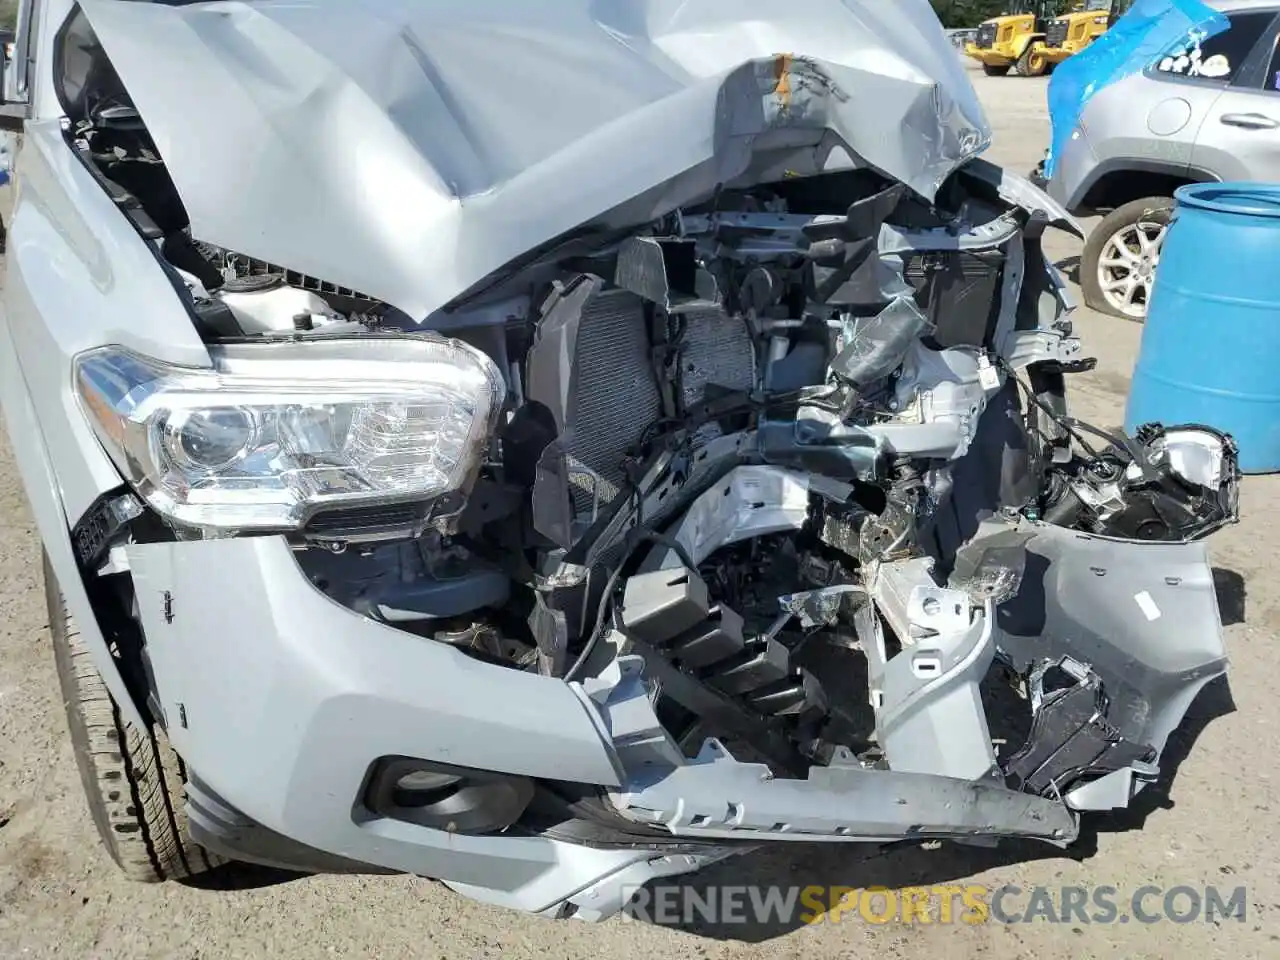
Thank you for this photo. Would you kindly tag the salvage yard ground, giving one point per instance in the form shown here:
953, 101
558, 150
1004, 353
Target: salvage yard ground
1213, 826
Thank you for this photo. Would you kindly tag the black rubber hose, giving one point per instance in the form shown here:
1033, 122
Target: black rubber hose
1064, 422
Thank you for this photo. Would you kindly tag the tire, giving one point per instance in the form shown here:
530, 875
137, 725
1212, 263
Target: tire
993, 70
1116, 249
132, 779
1032, 63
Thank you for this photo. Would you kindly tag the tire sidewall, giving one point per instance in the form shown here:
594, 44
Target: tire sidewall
1148, 209
72, 688
1024, 63
133, 780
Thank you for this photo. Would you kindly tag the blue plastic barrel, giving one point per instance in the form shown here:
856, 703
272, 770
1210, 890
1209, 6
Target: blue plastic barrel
1211, 344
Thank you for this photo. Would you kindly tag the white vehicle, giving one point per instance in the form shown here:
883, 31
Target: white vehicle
546, 447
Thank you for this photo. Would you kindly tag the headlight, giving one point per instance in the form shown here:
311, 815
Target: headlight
277, 432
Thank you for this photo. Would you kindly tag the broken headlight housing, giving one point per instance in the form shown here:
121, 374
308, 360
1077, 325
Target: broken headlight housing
276, 432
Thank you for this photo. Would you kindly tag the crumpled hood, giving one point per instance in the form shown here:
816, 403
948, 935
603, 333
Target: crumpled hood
410, 148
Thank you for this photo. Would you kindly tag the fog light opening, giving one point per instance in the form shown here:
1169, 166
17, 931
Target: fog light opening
445, 797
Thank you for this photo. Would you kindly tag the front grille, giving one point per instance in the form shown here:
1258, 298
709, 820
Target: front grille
986, 36
1056, 35
361, 521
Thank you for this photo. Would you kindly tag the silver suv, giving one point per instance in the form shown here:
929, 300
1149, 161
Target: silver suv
1207, 111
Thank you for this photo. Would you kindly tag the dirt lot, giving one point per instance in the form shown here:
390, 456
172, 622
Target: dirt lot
1212, 825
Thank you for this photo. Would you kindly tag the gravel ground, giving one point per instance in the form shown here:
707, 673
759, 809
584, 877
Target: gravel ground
1213, 824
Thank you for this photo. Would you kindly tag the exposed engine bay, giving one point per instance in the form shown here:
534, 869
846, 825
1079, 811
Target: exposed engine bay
795, 463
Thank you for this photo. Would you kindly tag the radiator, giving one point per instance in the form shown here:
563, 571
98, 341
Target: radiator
615, 396
716, 351
615, 391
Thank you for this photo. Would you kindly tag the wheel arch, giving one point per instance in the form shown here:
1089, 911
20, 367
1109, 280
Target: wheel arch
1113, 183
1024, 41
44, 497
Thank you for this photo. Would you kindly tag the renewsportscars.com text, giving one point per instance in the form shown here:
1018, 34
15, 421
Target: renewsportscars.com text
969, 904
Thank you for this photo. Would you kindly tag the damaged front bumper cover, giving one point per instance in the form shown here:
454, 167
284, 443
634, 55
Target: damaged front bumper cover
715, 796
282, 703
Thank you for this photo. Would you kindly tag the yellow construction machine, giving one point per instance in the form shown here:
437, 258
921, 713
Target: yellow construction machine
1015, 39
1070, 33
1032, 39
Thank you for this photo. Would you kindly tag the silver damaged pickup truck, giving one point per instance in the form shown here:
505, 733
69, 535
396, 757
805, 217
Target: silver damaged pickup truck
545, 447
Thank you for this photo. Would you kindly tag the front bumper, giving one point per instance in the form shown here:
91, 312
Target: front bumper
987, 56
280, 700
1056, 55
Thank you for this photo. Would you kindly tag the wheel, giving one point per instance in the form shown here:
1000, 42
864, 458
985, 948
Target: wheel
995, 70
1033, 62
132, 778
1119, 262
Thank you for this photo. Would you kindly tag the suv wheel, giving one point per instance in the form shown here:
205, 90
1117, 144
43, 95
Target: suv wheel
132, 778
1118, 266
995, 70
